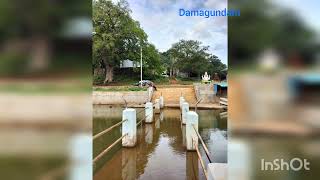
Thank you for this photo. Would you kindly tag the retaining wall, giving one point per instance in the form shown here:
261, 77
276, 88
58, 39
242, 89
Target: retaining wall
205, 92
117, 98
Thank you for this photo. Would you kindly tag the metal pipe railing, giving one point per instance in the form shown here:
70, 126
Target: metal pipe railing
140, 121
107, 130
108, 148
141, 111
203, 144
196, 105
125, 102
201, 161
143, 119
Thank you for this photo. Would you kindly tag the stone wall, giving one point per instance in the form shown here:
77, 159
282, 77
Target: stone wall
117, 98
205, 92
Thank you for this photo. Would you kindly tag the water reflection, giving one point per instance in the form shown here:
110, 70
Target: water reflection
129, 160
192, 166
160, 152
149, 133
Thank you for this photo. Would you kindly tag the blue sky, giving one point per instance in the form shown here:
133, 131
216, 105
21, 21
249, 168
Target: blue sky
164, 26
161, 21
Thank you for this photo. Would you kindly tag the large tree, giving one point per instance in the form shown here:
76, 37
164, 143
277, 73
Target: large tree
116, 36
191, 57
152, 65
30, 27
263, 25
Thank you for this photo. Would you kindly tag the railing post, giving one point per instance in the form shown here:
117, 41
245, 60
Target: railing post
129, 127
157, 106
161, 102
191, 135
79, 145
185, 109
149, 112
181, 100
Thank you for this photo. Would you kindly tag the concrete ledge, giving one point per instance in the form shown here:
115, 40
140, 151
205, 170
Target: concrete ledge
116, 98
205, 93
200, 106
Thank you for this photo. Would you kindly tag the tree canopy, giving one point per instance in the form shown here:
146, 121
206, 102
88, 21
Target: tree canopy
191, 57
263, 25
118, 37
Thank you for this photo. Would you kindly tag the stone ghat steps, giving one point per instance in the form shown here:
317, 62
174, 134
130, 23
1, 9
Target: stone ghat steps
172, 94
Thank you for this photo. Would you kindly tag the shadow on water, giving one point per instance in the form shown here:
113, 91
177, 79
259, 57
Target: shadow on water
160, 152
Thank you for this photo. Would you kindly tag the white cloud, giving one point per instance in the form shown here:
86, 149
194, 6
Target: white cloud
216, 4
161, 21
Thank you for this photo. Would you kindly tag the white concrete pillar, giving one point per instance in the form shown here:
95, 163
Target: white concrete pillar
185, 109
181, 100
191, 135
129, 127
161, 99
81, 152
157, 106
149, 112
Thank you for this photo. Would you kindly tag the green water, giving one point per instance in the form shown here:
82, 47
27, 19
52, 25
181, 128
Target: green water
160, 152
29, 168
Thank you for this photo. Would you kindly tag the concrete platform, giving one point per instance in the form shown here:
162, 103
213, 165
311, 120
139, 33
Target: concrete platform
200, 106
217, 171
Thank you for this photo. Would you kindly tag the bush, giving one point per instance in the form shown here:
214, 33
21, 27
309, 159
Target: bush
13, 64
98, 79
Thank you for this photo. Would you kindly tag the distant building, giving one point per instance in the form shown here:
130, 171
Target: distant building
129, 64
77, 28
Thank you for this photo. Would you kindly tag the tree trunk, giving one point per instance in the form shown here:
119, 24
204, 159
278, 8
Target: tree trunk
40, 54
109, 74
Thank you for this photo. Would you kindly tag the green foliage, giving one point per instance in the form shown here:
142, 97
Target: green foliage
152, 65
12, 64
38, 17
262, 25
161, 80
192, 57
116, 35
98, 79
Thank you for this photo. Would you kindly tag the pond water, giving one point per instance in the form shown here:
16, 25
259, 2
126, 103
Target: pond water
160, 152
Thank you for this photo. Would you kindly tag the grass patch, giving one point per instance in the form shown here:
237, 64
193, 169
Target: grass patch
117, 89
162, 81
187, 81
45, 88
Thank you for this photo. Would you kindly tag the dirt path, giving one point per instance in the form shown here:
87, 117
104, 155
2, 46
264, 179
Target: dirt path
172, 94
